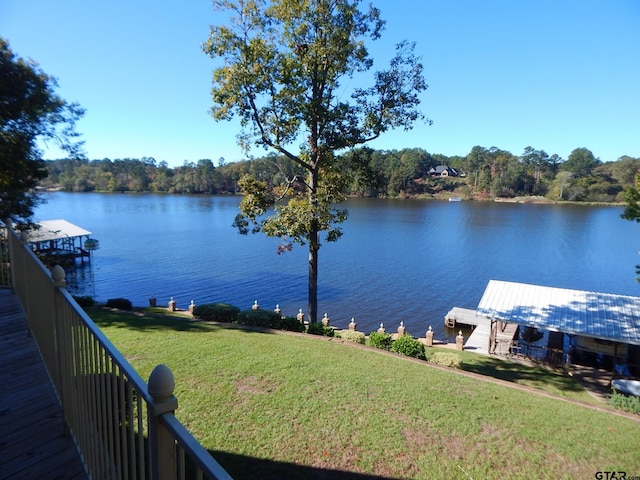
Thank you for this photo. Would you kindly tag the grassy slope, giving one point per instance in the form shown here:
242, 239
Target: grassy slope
295, 400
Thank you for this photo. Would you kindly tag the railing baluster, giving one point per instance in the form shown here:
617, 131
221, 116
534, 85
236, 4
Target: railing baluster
100, 417
142, 450
82, 391
118, 421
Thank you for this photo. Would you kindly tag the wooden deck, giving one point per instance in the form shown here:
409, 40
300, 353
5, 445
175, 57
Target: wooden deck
459, 315
478, 341
32, 439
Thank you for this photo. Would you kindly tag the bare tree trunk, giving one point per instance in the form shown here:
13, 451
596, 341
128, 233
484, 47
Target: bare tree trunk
313, 278
314, 246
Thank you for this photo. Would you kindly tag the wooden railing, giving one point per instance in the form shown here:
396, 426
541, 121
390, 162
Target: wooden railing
122, 427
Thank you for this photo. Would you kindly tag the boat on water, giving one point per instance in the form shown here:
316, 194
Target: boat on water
455, 199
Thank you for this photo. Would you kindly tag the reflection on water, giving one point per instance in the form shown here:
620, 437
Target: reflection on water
398, 260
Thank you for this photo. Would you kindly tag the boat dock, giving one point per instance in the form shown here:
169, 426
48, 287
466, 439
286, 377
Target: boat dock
480, 340
464, 316
59, 241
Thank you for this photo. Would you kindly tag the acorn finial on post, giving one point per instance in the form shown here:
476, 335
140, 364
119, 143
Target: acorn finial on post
58, 276
161, 383
162, 444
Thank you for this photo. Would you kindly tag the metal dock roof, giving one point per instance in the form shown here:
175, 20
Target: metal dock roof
56, 230
590, 314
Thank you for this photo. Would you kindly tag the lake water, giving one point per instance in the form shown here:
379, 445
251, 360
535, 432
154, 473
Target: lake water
399, 260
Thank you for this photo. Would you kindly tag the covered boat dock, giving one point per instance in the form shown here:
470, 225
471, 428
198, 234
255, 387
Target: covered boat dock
597, 324
61, 241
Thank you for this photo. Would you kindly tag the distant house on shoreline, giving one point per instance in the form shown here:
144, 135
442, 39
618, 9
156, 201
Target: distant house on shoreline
443, 171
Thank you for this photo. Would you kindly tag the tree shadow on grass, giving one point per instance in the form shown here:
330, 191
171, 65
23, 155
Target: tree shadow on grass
149, 321
533, 376
144, 321
243, 467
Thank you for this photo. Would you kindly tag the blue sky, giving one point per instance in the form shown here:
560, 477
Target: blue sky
551, 74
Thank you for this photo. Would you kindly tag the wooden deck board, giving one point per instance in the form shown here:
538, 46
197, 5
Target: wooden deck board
464, 316
478, 341
32, 439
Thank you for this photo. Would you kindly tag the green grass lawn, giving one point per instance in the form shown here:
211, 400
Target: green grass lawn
284, 406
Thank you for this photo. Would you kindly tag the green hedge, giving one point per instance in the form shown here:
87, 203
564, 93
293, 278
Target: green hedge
291, 324
119, 303
216, 312
269, 319
409, 346
317, 328
259, 318
85, 302
380, 340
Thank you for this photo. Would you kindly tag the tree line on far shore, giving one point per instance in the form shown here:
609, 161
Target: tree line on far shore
483, 173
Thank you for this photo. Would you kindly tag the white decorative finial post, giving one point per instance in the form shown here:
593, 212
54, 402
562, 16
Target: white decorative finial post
163, 451
255, 306
326, 320
382, 329
430, 337
277, 309
58, 276
300, 316
192, 305
353, 325
460, 341
401, 329
172, 305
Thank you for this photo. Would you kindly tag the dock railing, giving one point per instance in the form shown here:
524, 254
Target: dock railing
122, 427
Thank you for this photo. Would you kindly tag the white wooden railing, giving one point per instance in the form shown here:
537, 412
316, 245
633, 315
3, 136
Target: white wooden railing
122, 427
